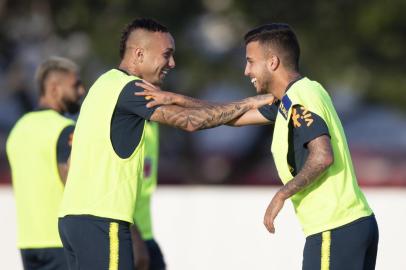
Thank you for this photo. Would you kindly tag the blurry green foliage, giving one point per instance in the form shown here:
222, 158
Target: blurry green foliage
347, 43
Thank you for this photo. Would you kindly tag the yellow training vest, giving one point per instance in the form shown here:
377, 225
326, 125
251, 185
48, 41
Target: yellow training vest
100, 183
142, 216
38, 188
334, 199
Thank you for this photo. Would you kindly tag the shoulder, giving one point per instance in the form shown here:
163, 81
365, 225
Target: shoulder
307, 125
129, 89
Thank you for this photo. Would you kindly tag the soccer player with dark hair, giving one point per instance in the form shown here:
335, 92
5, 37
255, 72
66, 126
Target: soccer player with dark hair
107, 158
310, 152
38, 148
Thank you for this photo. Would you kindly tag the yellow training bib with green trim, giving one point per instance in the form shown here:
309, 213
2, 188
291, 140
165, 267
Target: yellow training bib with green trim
334, 199
38, 188
100, 183
142, 216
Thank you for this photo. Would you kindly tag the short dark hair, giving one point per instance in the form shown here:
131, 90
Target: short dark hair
139, 23
53, 64
282, 37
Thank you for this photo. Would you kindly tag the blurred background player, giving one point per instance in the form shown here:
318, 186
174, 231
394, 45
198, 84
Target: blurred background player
148, 254
38, 148
108, 148
310, 152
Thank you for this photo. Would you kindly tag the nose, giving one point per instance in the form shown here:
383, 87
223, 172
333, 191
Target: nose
172, 62
247, 70
81, 91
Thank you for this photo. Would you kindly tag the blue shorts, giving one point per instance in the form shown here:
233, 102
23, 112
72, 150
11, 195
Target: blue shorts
96, 243
44, 259
350, 247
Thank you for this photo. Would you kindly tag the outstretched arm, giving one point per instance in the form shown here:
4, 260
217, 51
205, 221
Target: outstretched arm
251, 117
207, 115
319, 159
159, 97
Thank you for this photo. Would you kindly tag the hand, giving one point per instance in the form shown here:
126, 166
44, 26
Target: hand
155, 93
261, 100
272, 211
140, 250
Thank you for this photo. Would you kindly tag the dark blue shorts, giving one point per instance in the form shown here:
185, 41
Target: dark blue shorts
156, 259
96, 243
44, 259
350, 247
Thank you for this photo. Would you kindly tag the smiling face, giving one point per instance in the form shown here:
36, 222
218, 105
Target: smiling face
257, 67
157, 57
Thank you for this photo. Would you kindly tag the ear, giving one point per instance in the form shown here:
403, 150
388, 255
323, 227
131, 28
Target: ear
138, 55
273, 62
52, 89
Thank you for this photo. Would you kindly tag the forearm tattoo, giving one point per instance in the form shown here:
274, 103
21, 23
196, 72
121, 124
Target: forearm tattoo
319, 159
206, 116
190, 102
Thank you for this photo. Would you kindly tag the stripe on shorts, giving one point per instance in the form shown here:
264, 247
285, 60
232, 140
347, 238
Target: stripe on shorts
325, 250
113, 235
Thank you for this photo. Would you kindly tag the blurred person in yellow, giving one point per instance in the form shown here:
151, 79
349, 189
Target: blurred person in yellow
108, 152
147, 252
310, 153
38, 149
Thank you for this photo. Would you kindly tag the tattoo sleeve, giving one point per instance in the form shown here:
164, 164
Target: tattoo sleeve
190, 102
205, 116
319, 159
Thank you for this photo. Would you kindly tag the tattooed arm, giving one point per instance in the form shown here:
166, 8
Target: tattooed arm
319, 159
206, 115
159, 97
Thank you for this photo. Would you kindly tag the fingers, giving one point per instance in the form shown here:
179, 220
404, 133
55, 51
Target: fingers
269, 222
145, 93
272, 211
150, 84
152, 104
270, 98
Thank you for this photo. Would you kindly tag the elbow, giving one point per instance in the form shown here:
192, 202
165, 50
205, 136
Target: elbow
328, 160
191, 128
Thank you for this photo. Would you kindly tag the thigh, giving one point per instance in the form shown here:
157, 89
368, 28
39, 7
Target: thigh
370, 257
126, 256
53, 259
71, 259
29, 259
156, 258
44, 259
350, 244
312, 252
99, 243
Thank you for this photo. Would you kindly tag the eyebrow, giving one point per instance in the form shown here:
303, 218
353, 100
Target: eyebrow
78, 82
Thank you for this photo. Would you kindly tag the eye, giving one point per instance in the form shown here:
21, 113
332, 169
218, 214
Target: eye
167, 55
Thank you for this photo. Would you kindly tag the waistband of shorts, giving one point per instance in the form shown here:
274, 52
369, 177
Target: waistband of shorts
95, 218
361, 219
